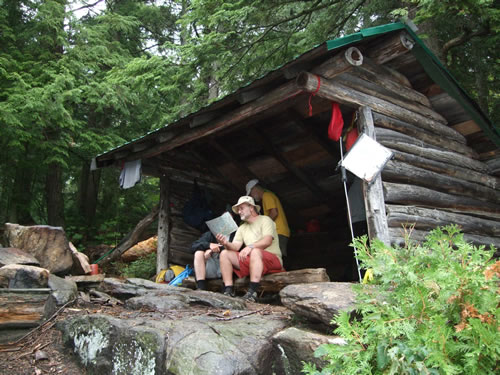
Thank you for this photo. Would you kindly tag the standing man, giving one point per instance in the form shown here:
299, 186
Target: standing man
261, 254
272, 207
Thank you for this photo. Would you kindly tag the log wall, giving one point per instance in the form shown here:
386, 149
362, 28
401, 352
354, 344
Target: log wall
433, 180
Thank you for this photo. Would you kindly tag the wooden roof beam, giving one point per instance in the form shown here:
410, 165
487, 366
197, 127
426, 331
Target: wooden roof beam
345, 95
272, 150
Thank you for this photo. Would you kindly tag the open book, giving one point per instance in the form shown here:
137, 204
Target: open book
223, 224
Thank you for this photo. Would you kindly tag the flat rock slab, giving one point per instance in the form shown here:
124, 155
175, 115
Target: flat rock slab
319, 302
191, 345
13, 255
162, 297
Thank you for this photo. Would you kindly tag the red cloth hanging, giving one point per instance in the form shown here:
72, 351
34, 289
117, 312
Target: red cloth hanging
336, 123
350, 138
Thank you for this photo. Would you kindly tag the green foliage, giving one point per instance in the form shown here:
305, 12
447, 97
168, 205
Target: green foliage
144, 267
434, 309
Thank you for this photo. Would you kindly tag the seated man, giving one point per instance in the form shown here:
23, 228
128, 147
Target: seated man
262, 255
206, 259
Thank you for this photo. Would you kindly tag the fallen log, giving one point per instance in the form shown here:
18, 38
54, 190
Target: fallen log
25, 308
271, 283
396, 171
132, 238
427, 219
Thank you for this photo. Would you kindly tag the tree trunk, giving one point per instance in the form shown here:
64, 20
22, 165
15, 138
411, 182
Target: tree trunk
19, 210
88, 192
55, 200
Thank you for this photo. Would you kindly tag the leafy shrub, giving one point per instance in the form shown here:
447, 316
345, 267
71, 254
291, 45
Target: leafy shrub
144, 267
434, 310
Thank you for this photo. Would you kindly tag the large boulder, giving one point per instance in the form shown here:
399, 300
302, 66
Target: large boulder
140, 250
12, 255
20, 276
179, 346
48, 245
296, 345
319, 302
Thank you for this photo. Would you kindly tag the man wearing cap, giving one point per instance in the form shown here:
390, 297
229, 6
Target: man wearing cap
261, 254
272, 207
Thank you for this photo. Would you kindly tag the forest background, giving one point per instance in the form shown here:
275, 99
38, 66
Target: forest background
78, 78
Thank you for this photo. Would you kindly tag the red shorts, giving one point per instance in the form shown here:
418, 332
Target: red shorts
271, 262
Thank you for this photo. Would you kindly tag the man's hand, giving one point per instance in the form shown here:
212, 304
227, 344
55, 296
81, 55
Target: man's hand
208, 254
222, 239
244, 253
215, 247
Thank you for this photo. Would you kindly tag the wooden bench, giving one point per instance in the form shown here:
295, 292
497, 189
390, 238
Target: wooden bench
271, 283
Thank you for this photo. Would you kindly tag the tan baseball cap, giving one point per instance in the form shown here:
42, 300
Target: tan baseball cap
246, 199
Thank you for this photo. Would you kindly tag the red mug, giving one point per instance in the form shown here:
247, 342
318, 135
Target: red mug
94, 269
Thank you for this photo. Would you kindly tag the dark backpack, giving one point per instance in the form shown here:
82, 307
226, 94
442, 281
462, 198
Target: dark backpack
196, 210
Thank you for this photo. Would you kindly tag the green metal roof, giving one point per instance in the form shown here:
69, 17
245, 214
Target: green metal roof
433, 67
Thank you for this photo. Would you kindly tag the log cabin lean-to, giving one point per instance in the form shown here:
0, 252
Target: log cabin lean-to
445, 169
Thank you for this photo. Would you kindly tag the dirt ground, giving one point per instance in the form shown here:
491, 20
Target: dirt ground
42, 352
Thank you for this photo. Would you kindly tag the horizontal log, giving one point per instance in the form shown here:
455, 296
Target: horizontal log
400, 172
22, 308
335, 91
420, 196
402, 142
343, 61
394, 96
390, 47
271, 283
398, 237
427, 219
425, 136
448, 169
386, 74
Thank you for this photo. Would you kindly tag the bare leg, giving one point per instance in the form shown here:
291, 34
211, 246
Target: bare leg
228, 261
256, 265
199, 265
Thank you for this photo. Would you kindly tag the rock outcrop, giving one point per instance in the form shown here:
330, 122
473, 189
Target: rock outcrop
192, 345
319, 302
48, 245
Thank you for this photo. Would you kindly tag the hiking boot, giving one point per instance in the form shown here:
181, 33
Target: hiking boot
250, 296
229, 293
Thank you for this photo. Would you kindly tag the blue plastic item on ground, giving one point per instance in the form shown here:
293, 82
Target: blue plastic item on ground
178, 279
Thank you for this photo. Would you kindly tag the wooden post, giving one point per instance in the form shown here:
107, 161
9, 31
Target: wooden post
164, 225
374, 193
